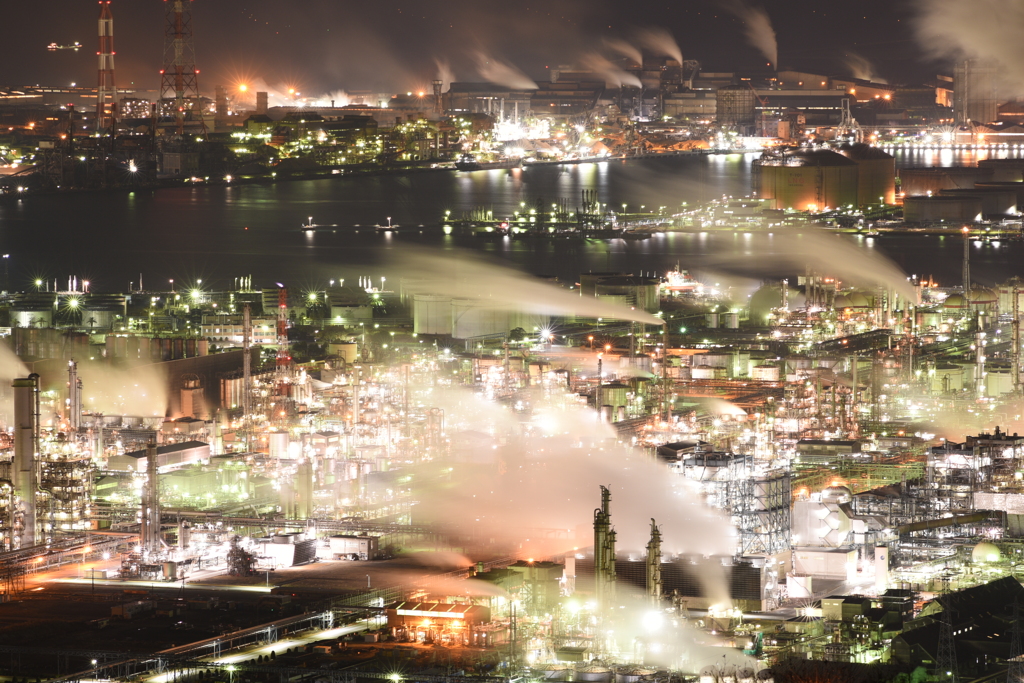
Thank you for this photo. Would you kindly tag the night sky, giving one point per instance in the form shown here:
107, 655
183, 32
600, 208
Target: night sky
319, 46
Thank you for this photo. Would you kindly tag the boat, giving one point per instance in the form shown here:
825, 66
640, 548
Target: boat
390, 227
312, 227
468, 162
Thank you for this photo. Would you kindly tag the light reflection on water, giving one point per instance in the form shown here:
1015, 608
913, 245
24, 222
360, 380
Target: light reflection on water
200, 232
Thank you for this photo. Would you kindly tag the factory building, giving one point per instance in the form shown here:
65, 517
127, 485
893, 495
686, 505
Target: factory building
975, 91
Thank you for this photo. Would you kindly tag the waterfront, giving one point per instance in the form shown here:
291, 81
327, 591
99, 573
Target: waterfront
217, 233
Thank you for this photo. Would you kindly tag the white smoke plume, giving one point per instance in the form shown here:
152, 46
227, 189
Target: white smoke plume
535, 484
136, 390
789, 249
502, 73
758, 30
613, 76
627, 50
863, 69
493, 286
660, 42
986, 30
444, 73
340, 98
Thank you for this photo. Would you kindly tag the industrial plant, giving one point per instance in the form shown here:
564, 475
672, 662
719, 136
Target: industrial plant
788, 460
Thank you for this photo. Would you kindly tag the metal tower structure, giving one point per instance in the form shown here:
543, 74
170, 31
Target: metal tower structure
946, 659
604, 552
283, 358
74, 397
24, 469
179, 79
654, 585
967, 262
246, 368
1015, 670
106, 92
149, 529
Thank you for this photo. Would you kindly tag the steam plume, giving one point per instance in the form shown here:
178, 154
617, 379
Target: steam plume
987, 30
502, 289
863, 69
661, 42
614, 77
625, 49
444, 73
502, 73
138, 390
798, 249
759, 29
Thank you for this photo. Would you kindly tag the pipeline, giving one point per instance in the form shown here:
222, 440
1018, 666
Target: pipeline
942, 522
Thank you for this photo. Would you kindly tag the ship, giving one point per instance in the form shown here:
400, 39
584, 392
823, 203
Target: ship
679, 281
390, 227
311, 227
468, 162
73, 46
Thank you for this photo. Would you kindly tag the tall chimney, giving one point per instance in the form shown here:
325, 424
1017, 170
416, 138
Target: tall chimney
26, 445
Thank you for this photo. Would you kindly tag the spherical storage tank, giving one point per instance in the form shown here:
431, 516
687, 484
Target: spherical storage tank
985, 552
809, 180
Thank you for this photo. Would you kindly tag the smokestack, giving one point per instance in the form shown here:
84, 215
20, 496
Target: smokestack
106, 92
26, 446
604, 552
438, 86
74, 397
149, 531
654, 565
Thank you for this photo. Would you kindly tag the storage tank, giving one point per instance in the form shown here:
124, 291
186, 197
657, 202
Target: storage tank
278, 443
809, 180
923, 209
432, 314
593, 673
921, 181
995, 201
706, 372
472, 318
1004, 170
765, 373
876, 173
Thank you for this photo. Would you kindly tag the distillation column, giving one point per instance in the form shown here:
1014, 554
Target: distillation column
26, 445
654, 585
604, 553
149, 530
74, 397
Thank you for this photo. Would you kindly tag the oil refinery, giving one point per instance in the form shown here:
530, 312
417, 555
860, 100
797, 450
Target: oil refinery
814, 472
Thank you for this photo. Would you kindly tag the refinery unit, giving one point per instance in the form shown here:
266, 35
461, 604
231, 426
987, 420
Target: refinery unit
857, 441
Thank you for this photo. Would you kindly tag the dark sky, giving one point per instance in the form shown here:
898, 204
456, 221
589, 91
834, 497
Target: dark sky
390, 45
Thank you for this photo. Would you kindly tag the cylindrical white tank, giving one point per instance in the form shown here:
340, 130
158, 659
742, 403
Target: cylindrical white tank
432, 314
765, 373
278, 442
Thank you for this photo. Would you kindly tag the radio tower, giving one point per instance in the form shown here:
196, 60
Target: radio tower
179, 79
106, 93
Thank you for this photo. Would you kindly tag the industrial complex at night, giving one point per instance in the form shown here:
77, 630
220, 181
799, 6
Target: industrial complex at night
646, 370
